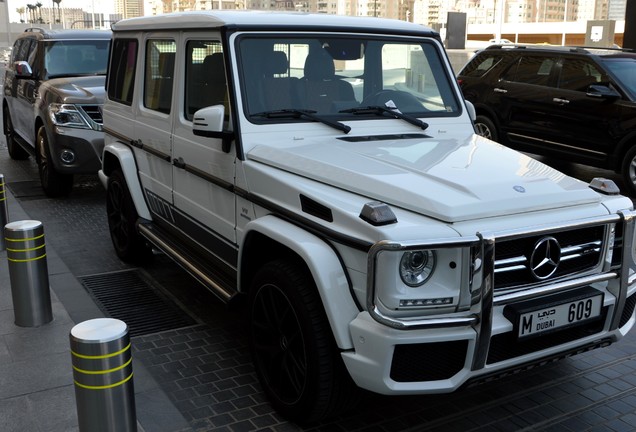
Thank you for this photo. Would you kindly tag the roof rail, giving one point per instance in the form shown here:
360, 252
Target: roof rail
607, 48
34, 29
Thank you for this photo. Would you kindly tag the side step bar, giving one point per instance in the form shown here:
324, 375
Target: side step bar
195, 265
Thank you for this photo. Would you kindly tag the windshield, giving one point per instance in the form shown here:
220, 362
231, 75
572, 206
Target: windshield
624, 71
76, 57
330, 76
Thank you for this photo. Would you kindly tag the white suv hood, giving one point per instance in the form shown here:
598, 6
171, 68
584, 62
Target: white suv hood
450, 180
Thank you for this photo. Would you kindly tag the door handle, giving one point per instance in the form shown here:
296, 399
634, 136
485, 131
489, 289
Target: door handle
179, 162
500, 90
560, 101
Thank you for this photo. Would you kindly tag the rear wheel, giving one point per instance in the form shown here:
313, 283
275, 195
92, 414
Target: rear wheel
122, 216
486, 128
54, 183
15, 151
295, 356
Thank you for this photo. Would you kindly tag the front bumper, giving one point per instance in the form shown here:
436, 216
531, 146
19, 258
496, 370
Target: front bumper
440, 354
440, 360
85, 145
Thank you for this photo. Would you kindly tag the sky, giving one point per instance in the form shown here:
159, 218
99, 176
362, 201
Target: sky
101, 6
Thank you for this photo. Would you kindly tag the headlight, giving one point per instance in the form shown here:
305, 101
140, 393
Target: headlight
67, 115
416, 267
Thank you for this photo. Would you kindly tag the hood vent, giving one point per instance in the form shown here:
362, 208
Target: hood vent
316, 209
391, 137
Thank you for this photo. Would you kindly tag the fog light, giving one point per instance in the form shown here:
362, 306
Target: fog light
67, 156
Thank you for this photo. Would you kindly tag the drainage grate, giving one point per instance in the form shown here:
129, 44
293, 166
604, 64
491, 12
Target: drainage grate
26, 190
127, 296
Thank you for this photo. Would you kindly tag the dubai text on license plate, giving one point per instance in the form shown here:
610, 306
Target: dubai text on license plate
563, 315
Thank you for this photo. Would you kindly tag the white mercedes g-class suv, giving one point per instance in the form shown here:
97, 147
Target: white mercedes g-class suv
326, 168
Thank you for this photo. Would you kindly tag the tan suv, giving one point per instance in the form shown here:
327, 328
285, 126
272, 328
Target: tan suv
52, 106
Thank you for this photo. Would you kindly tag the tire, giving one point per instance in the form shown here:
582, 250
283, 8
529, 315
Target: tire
486, 128
296, 359
53, 183
16, 152
628, 171
122, 217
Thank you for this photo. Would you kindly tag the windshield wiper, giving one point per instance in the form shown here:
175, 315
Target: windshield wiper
298, 113
380, 110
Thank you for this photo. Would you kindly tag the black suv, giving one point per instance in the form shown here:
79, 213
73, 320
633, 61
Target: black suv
52, 107
575, 104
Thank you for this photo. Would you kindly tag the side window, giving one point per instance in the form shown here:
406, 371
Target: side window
21, 50
480, 65
531, 70
158, 74
578, 75
121, 78
205, 83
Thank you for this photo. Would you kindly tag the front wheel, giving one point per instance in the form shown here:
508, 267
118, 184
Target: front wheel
55, 184
295, 356
122, 217
628, 171
486, 128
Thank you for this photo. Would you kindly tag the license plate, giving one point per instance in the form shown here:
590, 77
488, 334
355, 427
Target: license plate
558, 316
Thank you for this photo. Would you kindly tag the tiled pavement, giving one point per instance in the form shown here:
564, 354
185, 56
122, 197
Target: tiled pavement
200, 377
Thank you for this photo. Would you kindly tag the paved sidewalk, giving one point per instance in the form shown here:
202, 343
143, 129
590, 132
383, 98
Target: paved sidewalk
36, 380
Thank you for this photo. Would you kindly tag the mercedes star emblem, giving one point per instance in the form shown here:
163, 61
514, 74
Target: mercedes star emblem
545, 258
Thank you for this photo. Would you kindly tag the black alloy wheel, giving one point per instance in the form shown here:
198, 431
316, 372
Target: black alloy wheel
295, 356
122, 217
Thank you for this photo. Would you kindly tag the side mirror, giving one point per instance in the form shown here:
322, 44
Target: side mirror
471, 110
602, 92
23, 69
208, 122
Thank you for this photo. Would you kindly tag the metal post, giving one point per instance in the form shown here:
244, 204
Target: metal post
28, 273
102, 372
4, 211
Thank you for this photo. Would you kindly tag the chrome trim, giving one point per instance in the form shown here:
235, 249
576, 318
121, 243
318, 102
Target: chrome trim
553, 287
521, 262
435, 321
429, 323
628, 244
487, 299
223, 294
543, 141
483, 328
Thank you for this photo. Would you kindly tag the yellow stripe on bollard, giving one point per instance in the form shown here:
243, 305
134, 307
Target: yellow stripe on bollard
101, 372
97, 357
26, 260
24, 239
104, 387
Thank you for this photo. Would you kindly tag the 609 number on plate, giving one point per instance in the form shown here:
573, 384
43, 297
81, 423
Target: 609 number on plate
559, 316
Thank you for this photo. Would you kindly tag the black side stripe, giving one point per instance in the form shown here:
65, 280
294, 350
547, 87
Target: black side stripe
293, 218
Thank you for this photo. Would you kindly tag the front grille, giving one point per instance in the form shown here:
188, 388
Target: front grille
506, 345
94, 112
580, 250
428, 361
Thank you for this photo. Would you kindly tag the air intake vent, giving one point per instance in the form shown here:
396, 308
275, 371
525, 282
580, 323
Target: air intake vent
314, 208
